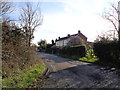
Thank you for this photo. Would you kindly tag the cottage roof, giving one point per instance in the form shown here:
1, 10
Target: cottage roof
78, 34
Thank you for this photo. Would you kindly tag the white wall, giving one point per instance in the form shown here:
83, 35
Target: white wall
59, 43
62, 42
65, 42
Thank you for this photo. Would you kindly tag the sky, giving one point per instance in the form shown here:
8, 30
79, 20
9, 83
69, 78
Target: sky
64, 17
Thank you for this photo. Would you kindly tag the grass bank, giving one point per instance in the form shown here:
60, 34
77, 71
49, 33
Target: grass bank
89, 57
93, 59
24, 78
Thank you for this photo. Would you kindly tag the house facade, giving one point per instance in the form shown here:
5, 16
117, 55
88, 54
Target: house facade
65, 40
62, 42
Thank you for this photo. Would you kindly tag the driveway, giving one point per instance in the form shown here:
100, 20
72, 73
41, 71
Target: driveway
68, 73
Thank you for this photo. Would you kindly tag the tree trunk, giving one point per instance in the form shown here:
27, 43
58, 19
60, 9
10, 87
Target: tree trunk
119, 31
119, 35
29, 41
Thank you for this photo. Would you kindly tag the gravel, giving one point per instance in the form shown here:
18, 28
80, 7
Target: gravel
68, 73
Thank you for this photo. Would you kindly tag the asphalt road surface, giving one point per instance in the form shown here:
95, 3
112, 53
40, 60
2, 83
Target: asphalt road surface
68, 73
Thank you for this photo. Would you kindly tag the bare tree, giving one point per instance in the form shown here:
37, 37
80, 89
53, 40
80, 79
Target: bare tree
5, 7
112, 17
30, 19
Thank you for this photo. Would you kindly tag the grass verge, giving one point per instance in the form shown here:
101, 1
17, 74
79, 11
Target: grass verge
90, 60
90, 57
85, 59
25, 77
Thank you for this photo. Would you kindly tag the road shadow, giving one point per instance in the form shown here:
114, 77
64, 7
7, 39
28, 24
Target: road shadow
85, 76
71, 73
55, 58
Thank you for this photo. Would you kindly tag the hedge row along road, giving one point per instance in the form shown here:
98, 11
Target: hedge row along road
67, 73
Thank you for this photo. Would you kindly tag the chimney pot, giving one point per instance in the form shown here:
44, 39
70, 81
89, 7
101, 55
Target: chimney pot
79, 31
68, 35
59, 38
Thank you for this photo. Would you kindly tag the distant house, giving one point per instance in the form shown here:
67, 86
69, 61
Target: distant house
65, 40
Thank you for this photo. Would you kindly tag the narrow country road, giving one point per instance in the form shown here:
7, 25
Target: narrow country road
67, 73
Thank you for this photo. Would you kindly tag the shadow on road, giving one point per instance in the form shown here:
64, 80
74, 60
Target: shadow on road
71, 73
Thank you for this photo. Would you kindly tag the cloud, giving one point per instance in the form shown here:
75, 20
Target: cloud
62, 24
80, 15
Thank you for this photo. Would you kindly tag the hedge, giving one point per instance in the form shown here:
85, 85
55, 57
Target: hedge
107, 51
70, 51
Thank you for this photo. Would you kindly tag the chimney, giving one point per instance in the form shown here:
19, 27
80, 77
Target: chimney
79, 32
55, 40
68, 35
59, 38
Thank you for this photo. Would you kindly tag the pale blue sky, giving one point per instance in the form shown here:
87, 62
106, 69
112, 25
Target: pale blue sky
69, 16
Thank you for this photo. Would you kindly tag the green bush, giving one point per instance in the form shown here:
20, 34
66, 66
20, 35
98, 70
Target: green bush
90, 57
48, 50
70, 51
74, 51
107, 51
16, 54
